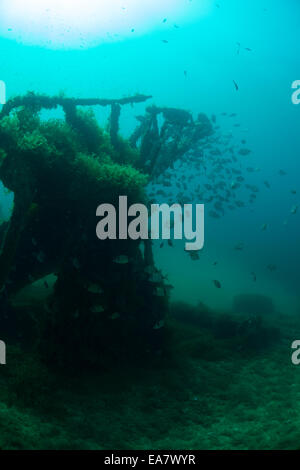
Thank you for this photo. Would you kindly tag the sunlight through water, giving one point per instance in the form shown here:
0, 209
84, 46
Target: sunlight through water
87, 23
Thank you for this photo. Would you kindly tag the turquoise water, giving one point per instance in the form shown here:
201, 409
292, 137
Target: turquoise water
207, 49
194, 58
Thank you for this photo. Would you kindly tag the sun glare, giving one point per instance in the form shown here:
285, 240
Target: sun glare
84, 23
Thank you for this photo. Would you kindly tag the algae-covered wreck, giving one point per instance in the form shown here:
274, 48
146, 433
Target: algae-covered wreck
59, 171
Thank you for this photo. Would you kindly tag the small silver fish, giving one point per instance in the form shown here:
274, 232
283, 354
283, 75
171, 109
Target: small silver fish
122, 259
115, 316
294, 210
95, 289
97, 309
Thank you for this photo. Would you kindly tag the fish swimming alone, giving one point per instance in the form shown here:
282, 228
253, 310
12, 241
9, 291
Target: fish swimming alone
217, 284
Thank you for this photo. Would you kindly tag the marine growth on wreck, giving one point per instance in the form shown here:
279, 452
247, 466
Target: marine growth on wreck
108, 298
149, 227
